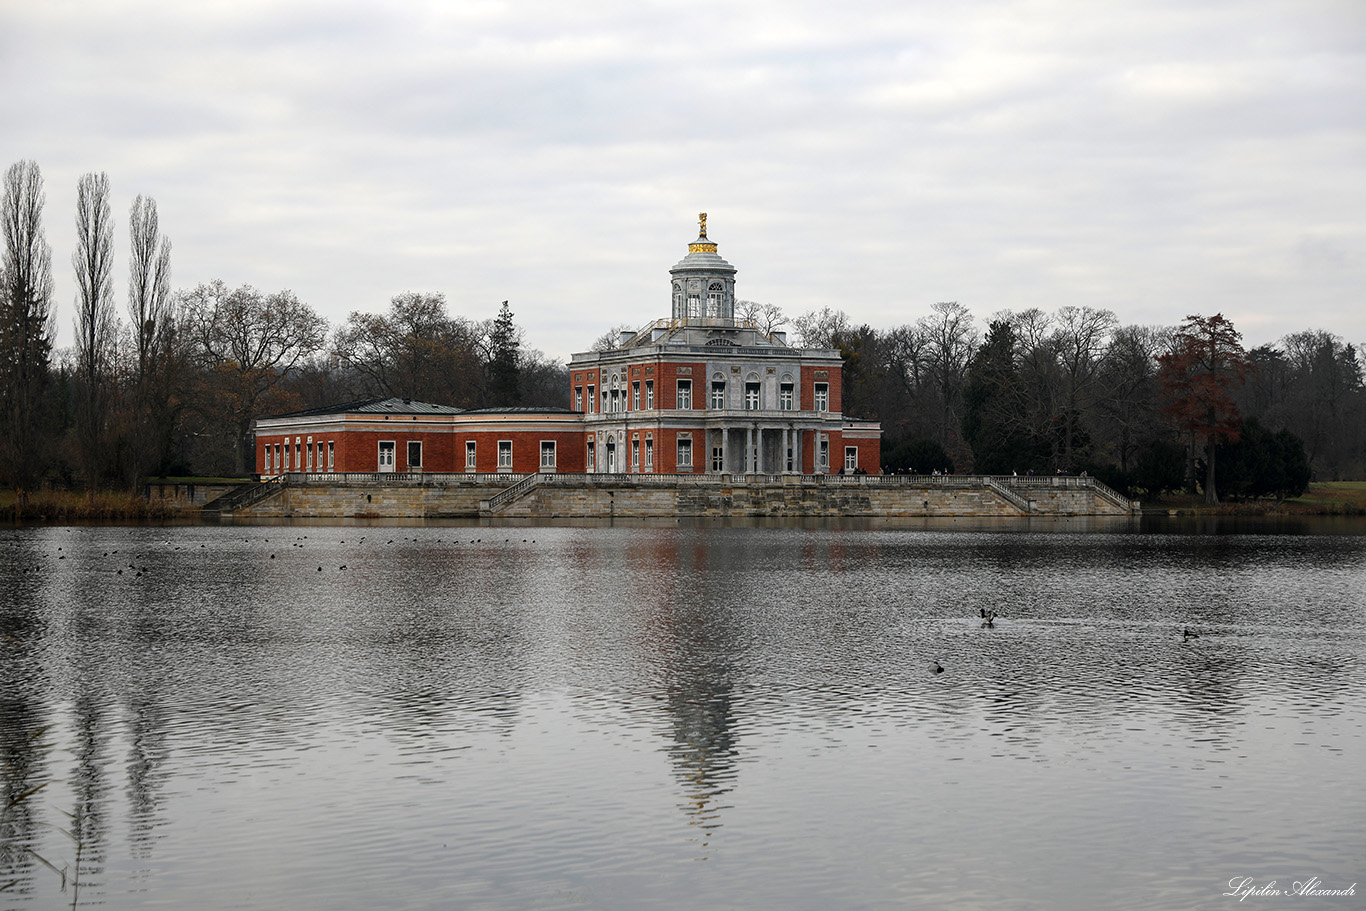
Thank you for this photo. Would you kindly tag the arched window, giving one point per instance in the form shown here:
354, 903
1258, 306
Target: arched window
679, 312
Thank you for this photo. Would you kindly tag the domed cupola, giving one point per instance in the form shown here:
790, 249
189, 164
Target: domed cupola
703, 283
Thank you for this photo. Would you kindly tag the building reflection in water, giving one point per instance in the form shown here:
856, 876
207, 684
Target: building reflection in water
698, 641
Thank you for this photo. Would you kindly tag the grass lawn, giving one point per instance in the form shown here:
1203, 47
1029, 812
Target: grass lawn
1328, 498
1332, 497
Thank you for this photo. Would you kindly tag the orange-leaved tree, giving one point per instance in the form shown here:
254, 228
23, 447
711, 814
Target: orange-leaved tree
1205, 364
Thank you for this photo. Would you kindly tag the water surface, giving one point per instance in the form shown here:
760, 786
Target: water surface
663, 717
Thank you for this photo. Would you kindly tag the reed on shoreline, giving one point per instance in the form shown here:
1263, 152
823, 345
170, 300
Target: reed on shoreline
83, 506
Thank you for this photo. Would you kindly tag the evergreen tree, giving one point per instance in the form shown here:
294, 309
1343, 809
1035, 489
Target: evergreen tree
505, 388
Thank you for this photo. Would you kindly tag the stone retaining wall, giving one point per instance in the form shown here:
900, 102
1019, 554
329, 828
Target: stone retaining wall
723, 498
341, 501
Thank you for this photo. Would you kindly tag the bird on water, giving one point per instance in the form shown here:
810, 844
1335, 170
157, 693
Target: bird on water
1187, 634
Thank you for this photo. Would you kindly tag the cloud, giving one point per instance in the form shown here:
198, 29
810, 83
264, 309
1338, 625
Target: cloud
1156, 159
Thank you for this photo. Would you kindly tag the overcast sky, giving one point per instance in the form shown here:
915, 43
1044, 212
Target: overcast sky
1155, 158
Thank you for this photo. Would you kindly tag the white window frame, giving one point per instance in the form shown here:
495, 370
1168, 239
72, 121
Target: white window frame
547, 446
408, 454
649, 454
505, 449
591, 400
635, 455
578, 398
471, 455
684, 446
786, 396
821, 392
718, 394
308, 453
823, 455
379, 454
754, 396
683, 401
850, 458
635, 395
591, 457
649, 395
331, 455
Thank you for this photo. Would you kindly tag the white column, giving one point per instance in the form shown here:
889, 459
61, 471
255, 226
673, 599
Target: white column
749, 450
759, 453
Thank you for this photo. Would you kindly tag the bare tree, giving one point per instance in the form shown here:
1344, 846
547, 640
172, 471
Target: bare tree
1080, 340
821, 328
149, 284
149, 409
245, 342
93, 260
26, 324
414, 351
767, 318
611, 339
950, 340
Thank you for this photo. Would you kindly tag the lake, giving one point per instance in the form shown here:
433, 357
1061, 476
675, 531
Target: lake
706, 716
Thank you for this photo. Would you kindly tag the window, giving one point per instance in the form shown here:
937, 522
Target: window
299, 455
822, 397
308, 453
504, 455
785, 397
694, 297
650, 394
591, 461
331, 452
685, 454
386, 455
714, 296
280, 465
470, 463
578, 398
718, 394
603, 408
850, 458
414, 455
635, 396
751, 396
718, 459
591, 399
547, 455
615, 402
320, 455
649, 454
824, 459
265, 460
684, 394
635, 455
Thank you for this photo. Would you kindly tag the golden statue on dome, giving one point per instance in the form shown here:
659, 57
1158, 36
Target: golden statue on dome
702, 218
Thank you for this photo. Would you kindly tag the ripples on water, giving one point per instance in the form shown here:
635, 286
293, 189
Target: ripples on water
670, 717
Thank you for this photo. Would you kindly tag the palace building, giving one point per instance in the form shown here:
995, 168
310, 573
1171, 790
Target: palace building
700, 392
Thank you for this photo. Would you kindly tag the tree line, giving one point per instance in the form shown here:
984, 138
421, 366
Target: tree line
1149, 409
169, 383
